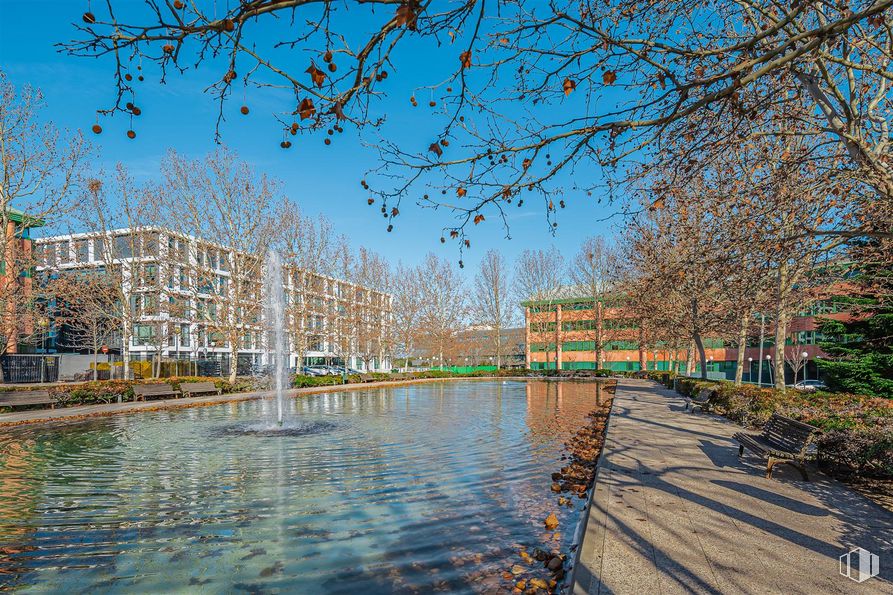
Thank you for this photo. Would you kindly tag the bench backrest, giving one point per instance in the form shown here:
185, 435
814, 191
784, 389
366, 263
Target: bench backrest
198, 387
152, 389
25, 397
788, 434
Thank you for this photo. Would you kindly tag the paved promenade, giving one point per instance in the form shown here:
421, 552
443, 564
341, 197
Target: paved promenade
675, 510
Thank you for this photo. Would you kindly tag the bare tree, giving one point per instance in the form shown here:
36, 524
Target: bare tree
491, 302
793, 356
121, 218
444, 305
539, 277
226, 213
307, 246
407, 309
593, 269
39, 174
87, 302
373, 283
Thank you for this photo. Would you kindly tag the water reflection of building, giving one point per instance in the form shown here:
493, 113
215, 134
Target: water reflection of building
18, 503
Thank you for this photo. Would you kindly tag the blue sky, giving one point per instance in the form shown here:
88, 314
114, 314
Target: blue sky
321, 179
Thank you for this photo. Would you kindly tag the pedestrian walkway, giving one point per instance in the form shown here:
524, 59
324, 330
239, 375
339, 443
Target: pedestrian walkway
674, 510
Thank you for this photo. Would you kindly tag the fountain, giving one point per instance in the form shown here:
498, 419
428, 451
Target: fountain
277, 357
274, 307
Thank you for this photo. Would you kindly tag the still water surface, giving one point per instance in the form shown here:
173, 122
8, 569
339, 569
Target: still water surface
423, 488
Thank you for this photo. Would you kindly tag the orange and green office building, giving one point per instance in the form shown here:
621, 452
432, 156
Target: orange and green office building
560, 334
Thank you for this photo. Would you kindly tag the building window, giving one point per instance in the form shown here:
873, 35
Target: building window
542, 308
81, 251
578, 346
64, 256
143, 334
542, 327
621, 346
617, 324
150, 244
98, 249
542, 347
579, 306
123, 247
150, 276
578, 325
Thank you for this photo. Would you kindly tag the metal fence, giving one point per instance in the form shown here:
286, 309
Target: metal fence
19, 367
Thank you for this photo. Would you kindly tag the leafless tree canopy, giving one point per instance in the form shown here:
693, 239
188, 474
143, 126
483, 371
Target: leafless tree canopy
40, 172
537, 90
491, 301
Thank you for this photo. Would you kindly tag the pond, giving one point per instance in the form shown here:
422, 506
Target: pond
421, 488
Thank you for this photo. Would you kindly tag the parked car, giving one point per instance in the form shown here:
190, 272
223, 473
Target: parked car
312, 371
324, 370
810, 385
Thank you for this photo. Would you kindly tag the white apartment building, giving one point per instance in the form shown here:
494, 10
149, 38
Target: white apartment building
178, 290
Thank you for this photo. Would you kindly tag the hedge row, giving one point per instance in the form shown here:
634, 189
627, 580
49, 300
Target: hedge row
856, 431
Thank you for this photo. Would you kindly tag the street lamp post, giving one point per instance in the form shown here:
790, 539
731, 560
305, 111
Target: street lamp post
805, 364
769, 364
750, 369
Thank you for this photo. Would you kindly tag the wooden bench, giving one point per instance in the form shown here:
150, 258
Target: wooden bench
141, 391
190, 389
784, 440
20, 398
699, 401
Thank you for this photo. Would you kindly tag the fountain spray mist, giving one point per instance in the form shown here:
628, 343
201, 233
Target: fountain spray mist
274, 290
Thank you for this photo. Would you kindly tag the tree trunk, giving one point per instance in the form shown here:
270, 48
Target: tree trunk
498, 347
742, 345
690, 358
125, 355
701, 354
781, 323
233, 360
643, 362
781, 331
598, 334
696, 336
96, 363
